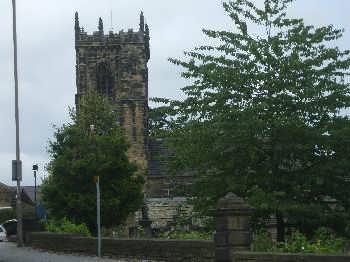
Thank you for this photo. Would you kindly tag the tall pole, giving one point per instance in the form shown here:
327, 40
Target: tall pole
18, 158
35, 187
96, 180
98, 218
35, 170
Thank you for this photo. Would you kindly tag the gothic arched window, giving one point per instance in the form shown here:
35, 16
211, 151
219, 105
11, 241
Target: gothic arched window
104, 80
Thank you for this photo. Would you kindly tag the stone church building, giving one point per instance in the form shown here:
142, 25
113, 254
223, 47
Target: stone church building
115, 64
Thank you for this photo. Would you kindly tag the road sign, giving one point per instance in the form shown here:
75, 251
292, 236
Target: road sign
16, 170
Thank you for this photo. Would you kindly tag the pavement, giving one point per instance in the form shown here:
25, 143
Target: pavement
9, 252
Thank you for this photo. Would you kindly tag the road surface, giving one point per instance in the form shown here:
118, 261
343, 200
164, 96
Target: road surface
9, 252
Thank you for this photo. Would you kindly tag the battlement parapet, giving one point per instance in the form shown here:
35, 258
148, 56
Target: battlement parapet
98, 38
112, 38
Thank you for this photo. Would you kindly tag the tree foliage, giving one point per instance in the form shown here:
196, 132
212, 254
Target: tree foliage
264, 117
77, 154
7, 214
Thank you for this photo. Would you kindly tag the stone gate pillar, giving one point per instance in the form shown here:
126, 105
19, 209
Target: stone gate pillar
233, 231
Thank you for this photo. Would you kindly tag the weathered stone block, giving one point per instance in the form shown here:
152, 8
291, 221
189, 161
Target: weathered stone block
232, 239
232, 227
232, 223
223, 255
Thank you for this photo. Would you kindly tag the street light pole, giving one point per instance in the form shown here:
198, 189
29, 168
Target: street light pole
18, 158
98, 217
35, 186
35, 169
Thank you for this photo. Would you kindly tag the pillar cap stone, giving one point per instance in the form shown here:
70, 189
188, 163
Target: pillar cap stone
232, 202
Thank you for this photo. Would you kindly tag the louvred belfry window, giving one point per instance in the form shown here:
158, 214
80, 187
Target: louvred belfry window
104, 80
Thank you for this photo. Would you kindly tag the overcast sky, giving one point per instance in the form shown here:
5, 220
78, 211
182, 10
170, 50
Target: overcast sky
47, 57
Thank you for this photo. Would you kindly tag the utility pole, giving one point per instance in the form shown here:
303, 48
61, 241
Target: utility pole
18, 157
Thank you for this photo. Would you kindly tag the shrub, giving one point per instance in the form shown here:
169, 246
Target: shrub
262, 241
66, 226
323, 242
6, 214
297, 244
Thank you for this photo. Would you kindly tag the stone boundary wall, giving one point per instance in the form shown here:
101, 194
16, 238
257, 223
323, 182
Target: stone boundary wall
158, 250
285, 257
232, 242
161, 250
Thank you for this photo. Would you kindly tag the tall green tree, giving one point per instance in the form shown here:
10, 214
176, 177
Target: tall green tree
263, 118
78, 153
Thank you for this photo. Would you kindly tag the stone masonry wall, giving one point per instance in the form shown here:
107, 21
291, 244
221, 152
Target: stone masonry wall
6, 196
162, 211
163, 186
231, 243
115, 64
158, 250
161, 250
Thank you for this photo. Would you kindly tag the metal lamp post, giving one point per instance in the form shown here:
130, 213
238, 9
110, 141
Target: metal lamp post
17, 164
98, 204
35, 169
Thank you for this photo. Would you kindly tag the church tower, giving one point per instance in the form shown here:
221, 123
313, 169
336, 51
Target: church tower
115, 64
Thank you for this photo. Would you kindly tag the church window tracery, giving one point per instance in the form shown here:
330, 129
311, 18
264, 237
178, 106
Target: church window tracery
104, 80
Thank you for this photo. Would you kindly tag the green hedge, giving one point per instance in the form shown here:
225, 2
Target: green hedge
6, 214
66, 226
